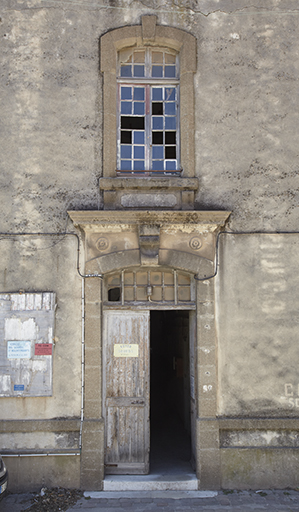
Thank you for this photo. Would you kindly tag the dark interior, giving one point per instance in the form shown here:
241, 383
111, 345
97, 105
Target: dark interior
170, 391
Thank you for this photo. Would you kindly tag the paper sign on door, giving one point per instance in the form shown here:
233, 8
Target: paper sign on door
121, 350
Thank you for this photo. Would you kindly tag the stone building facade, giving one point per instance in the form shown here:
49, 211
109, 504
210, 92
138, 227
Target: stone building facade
149, 240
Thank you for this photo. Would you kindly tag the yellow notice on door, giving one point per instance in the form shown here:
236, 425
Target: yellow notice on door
121, 350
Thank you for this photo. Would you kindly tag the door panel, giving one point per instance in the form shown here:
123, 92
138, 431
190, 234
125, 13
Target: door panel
126, 391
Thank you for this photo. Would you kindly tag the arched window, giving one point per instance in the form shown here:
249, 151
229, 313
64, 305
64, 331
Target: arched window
148, 111
159, 62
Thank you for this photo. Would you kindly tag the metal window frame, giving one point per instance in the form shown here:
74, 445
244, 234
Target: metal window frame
149, 83
134, 285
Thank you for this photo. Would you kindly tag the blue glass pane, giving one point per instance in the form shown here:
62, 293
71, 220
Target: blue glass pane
169, 71
126, 70
126, 107
139, 152
157, 93
138, 165
139, 93
126, 93
138, 108
157, 71
138, 137
157, 123
158, 152
126, 151
170, 109
170, 94
158, 165
125, 165
139, 70
170, 123
170, 165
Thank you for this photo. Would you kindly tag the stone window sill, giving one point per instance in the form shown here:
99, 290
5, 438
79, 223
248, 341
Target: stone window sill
148, 183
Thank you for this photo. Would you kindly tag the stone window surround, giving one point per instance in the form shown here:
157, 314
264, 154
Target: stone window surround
148, 34
180, 190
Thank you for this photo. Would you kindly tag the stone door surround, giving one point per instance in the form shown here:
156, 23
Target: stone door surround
186, 240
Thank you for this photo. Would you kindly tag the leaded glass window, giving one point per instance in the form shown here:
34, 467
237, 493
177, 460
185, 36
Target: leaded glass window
148, 120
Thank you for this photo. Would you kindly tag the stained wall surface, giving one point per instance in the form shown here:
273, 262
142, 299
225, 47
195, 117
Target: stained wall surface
246, 154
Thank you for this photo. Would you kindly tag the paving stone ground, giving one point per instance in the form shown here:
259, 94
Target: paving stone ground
236, 501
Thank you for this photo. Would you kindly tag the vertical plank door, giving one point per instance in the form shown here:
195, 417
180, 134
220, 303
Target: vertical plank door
126, 391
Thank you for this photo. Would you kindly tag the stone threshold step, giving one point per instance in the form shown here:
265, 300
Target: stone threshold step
175, 495
153, 482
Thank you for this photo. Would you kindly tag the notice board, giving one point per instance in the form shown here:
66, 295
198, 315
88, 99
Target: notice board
26, 343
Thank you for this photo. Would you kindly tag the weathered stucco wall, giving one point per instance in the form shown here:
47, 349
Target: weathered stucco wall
246, 119
246, 115
257, 325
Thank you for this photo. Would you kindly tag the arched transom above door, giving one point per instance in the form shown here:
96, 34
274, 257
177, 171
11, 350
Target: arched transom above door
151, 286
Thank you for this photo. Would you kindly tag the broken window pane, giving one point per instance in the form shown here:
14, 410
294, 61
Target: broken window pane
126, 137
114, 294
170, 152
170, 137
157, 138
157, 109
148, 111
133, 123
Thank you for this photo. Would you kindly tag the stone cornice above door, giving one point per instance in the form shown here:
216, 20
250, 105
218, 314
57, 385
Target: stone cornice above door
184, 240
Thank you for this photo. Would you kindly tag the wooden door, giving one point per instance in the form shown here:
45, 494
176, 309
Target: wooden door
126, 391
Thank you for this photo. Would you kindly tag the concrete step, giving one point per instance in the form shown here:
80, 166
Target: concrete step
152, 482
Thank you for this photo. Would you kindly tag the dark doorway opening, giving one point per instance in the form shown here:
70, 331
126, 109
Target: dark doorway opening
170, 445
